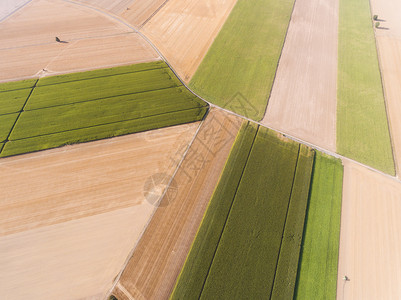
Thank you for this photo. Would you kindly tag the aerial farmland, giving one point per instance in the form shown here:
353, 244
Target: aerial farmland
209, 149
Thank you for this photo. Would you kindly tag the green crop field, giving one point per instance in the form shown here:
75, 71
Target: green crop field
193, 276
96, 105
287, 267
16, 85
238, 71
317, 275
249, 240
362, 128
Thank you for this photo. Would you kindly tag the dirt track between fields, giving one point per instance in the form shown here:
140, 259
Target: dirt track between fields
370, 243
69, 217
388, 39
92, 40
183, 31
152, 270
303, 101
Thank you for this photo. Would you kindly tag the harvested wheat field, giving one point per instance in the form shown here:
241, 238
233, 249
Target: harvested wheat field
303, 101
88, 38
8, 7
388, 39
184, 30
70, 216
370, 243
157, 260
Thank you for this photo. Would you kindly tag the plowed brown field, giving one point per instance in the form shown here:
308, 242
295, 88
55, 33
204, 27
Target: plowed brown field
183, 31
70, 216
389, 45
90, 40
303, 101
370, 243
157, 260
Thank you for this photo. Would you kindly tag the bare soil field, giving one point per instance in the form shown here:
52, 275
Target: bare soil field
388, 39
157, 260
8, 7
114, 6
59, 185
184, 30
28, 44
370, 243
70, 216
303, 101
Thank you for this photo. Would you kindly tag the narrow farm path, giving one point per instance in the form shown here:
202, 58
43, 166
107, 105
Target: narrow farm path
303, 101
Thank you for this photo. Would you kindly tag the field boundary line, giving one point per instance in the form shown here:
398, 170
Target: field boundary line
19, 115
285, 220
229, 211
15, 10
122, 121
393, 149
279, 59
117, 278
153, 14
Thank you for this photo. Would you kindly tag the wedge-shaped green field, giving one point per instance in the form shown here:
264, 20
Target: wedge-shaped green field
362, 128
97, 105
17, 85
6, 123
287, 267
317, 275
13, 101
239, 68
193, 275
249, 241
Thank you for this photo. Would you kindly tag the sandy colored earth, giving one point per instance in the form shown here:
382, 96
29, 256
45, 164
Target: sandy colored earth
370, 242
92, 40
70, 216
7, 7
157, 260
183, 31
389, 45
303, 101
114, 6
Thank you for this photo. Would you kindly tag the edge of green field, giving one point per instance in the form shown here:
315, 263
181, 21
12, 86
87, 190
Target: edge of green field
317, 273
237, 72
362, 126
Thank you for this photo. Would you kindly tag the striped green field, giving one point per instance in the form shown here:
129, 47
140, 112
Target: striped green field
249, 241
238, 71
317, 275
94, 105
362, 128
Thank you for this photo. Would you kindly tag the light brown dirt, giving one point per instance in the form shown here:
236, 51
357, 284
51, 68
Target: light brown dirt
59, 185
370, 242
141, 11
303, 101
114, 6
183, 31
7, 7
153, 269
389, 46
27, 41
70, 216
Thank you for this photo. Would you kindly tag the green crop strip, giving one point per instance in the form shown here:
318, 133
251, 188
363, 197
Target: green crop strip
17, 85
238, 71
249, 241
362, 128
93, 105
317, 274
13, 101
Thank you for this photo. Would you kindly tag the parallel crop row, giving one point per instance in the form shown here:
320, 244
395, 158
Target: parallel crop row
96, 105
249, 242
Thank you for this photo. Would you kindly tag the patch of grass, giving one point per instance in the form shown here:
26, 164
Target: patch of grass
100, 105
102, 131
244, 57
317, 274
362, 128
287, 267
16, 85
6, 123
13, 101
246, 257
193, 275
